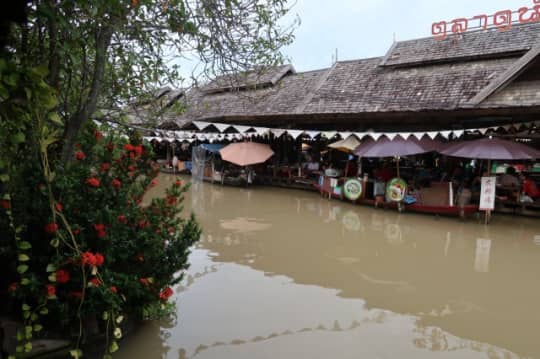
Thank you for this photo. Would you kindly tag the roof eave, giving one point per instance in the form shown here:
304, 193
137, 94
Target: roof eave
506, 77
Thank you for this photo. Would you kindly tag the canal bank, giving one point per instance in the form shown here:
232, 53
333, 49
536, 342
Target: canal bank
281, 273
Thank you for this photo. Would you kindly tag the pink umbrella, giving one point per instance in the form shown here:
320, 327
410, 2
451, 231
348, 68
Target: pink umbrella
384, 147
246, 153
491, 149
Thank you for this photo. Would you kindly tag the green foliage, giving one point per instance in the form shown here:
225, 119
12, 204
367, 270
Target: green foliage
75, 241
108, 52
57, 213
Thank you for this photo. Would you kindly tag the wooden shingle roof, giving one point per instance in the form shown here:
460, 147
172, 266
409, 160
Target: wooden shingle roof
258, 78
473, 45
283, 98
362, 86
423, 75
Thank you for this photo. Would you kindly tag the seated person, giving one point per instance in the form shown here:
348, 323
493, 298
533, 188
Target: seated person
529, 188
311, 166
351, 168
509, 179
383, 174
465, 193
458, 175
412, 188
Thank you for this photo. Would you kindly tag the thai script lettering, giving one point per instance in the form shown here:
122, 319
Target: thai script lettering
502, 20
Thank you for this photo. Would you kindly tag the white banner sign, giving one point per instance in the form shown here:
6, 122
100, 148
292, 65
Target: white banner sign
487, 195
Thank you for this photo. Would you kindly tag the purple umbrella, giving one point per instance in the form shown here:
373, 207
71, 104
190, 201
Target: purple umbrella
491, 149
398, 147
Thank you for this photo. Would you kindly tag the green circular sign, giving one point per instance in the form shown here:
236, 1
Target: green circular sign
396, 189
352, 189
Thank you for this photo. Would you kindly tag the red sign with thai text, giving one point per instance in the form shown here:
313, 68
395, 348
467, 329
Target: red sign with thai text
502, 20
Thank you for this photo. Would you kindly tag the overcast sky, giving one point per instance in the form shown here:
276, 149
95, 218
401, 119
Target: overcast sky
366, 28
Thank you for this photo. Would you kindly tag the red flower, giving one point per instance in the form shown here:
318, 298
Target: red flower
5, 204
100, 230
80, 155
13, 287
122, 219
153, 183
143, 224
51, 290
166, 294
144, 281
139, 150
51, 228
62, 276
76, 231
178, 183
95, 282
105, 166
58, 207
92, 182
88, 258
99, 259
131, 168
110, 146
171, 200
75, 294
98, 135
129, 147
114, 290
77, 145
116, 183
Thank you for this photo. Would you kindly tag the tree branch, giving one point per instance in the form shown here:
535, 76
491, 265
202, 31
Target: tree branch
103, 41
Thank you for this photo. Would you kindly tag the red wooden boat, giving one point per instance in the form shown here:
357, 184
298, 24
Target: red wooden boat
324, 186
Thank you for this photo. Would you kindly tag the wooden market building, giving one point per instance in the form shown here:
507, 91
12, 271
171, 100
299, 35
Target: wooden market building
475, 79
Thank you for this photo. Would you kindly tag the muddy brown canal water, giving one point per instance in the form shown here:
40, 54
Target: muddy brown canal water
287, 274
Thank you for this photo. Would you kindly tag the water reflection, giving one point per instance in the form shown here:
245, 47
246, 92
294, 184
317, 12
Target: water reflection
481, 259
287, 274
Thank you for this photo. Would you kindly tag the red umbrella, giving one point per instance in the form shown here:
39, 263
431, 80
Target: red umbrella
398, 147
246, 153
491, 149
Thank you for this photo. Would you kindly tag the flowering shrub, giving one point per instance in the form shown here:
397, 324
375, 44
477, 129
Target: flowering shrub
85, 246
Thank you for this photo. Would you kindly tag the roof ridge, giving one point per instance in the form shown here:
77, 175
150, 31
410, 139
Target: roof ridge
493, 29
316, 70
362, 59
309, 96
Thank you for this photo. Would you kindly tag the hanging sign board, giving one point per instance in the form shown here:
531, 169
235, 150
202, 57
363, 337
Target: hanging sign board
396, 190
352, 189
487, 194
